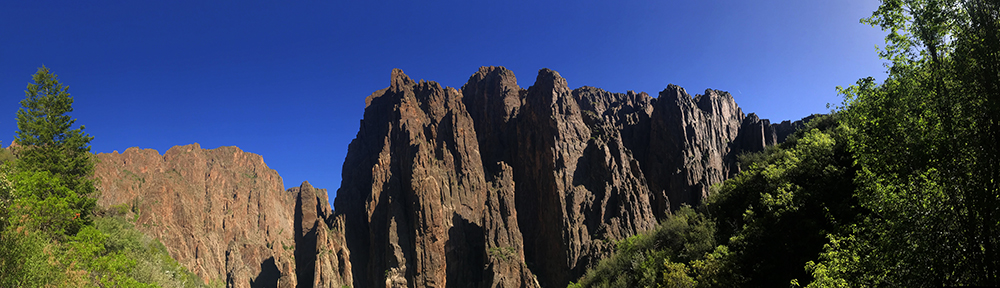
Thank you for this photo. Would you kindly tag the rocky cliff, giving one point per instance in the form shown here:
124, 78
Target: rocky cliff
494, 185
225, 215
490, 185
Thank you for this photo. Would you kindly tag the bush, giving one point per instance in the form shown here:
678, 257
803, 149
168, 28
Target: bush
153, 263
658, 257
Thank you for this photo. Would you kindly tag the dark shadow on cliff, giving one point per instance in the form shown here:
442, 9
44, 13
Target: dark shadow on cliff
305, 248
465, 253
356, 188
268, 276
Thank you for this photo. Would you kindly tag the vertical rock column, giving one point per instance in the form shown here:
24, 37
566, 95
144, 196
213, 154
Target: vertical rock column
690, 146
577, 188
321, 255
493, 100
414, 191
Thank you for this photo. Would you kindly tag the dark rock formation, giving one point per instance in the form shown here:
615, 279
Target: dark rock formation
321, 253
786, 128
490, 186
495, 185
574, 186
691, 145
755, 134
416, 202
224, 214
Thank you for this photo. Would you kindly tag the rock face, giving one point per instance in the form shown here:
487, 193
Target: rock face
691, 145
575, 186
499, 186
226, 216
320, 248
418, 202
492, 185
785, 128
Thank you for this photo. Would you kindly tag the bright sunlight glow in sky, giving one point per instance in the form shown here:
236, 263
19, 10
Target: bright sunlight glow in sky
287, 79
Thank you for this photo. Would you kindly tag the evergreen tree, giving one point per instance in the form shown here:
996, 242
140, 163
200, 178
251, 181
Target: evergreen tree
47, 146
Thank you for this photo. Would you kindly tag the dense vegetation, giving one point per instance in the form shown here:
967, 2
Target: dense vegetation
899, 187
51, 231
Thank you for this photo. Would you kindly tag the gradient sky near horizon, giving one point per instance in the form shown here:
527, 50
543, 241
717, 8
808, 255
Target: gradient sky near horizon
287, 79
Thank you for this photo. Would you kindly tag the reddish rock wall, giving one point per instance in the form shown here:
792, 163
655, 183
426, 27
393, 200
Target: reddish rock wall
225, 215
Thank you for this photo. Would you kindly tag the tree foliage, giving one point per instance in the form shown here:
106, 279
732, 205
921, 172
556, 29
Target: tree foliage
925, 140
775, 215
47, 143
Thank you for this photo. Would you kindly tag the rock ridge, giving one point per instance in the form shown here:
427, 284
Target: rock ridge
488, 185
494, 185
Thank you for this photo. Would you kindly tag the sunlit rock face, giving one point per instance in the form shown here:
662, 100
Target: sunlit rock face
226, 216
494, 185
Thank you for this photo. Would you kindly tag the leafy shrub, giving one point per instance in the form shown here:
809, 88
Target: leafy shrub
658, 257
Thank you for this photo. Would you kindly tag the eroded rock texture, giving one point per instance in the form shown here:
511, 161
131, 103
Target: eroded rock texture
416, 202
225, 215
492, 185
500, 186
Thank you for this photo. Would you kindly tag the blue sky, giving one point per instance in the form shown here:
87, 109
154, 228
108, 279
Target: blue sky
287, 79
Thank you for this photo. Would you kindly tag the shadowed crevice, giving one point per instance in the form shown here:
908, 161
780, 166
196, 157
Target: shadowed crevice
464, 251
268, 276
305, 248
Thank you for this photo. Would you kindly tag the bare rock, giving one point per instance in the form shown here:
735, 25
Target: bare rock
494, 101
690, 146
490, 186
414, 191
755, 134
504, 242
786, 128
321, 254
578, 188
501, 186
221, 212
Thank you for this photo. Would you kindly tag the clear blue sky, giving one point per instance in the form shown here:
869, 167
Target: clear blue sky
287, 79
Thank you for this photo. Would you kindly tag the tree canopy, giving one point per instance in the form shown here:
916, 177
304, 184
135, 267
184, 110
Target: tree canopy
45, 135
925, 139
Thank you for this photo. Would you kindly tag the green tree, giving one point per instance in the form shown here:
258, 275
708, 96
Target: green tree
43, 203
47, 195
775, 215
926, 142
47, 143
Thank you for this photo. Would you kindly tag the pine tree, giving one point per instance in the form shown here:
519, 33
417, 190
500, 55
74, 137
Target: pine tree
48, 147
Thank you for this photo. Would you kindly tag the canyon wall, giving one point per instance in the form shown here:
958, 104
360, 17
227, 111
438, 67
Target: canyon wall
226, 216
494, 185
490, 185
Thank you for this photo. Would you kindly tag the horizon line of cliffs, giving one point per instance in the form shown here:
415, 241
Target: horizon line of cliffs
490, 185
